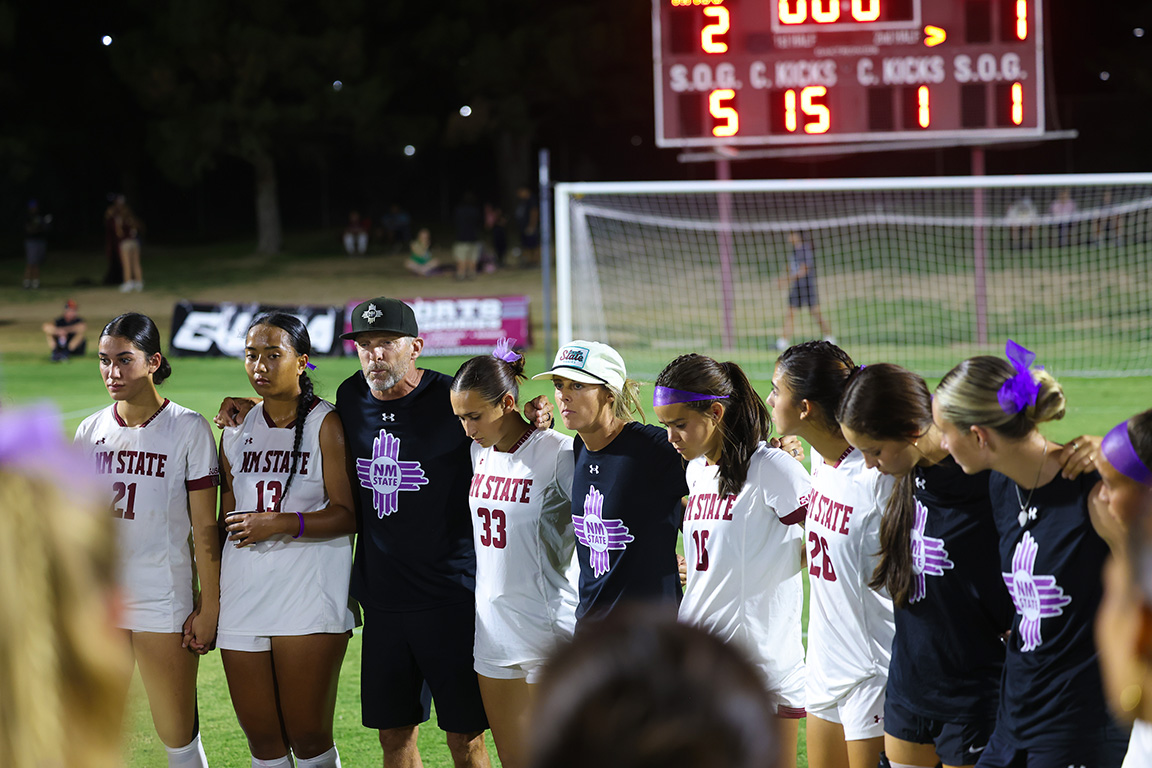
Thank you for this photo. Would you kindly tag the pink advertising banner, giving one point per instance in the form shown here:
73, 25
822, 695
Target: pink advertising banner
464, 325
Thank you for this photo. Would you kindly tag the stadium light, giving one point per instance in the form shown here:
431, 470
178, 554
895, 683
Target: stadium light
337, 85
409, 150
107, 40
465, 111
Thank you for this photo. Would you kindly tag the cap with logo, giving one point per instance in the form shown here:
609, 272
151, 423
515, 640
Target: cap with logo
382, 315
588, 362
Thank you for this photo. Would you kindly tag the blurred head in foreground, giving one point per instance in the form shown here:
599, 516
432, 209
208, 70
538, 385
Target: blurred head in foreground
637, 690
62, 663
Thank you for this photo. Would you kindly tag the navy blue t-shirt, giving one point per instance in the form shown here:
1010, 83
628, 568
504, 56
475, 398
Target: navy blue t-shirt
947, 656
1052, 690
626, 511
412, 471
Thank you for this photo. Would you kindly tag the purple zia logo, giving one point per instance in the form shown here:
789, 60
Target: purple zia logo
1035, 597
929, 557
386, 475
598, 534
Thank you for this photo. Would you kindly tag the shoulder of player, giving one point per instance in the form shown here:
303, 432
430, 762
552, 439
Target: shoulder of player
552, 438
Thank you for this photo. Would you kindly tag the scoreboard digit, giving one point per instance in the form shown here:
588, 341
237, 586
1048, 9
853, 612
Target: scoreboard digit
732, 72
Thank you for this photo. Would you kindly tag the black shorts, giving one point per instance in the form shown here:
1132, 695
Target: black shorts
410, 658
957, 743
803, 293
1092, 748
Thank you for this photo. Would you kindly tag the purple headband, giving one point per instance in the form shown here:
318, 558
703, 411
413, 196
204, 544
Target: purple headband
1117, 448
670, 396
505, 352
1021, 390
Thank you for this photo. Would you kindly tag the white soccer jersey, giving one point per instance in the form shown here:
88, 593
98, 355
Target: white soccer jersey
850, 625
522, 527
149, 471
282, 586
743, 551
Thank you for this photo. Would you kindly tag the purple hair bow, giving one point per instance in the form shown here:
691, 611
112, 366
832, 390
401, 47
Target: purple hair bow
1020, 391
32, 440
504, 350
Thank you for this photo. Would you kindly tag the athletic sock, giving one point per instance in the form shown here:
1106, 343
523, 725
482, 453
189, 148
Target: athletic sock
280, 762
189, 756
330, 759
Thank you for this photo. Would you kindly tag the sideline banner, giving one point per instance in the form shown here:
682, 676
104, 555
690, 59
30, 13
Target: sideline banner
464, 325
215, 330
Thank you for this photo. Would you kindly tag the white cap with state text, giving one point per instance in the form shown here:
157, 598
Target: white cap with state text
588, 362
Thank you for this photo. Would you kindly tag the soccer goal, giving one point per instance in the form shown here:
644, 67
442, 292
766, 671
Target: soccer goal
917, 271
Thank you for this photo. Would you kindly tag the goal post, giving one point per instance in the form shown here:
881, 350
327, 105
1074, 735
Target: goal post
917, 271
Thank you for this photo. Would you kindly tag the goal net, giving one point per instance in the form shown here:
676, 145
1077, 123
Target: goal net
922, 272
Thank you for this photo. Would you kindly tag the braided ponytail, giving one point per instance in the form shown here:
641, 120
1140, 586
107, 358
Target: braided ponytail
303, 406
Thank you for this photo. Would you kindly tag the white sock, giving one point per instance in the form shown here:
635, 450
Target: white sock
330, 759
280, 762
188, 756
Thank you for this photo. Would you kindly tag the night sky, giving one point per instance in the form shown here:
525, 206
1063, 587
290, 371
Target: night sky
174, 110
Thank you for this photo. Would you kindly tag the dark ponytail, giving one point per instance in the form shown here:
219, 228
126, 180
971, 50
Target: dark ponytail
745, 423
818, 371
887, 402
142, 332
491, 377
302, 344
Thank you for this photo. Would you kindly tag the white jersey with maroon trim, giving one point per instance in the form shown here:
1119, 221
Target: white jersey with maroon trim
149, 471
282, 585
850, 625
744, 579
522, 527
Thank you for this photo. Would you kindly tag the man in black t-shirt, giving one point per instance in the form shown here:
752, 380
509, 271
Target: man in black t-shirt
65, 334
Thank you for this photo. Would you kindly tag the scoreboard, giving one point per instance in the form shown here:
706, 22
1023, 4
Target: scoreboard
731, 72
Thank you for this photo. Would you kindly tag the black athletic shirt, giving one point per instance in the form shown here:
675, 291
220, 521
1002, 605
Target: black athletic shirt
412, 470
947, 656
1052, 692
626, 512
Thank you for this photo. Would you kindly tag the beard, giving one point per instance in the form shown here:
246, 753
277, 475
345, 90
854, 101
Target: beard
392, 377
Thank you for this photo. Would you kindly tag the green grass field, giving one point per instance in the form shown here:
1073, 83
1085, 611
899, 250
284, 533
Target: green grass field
312, 275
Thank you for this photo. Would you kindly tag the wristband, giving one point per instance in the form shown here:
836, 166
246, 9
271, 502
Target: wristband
301, 531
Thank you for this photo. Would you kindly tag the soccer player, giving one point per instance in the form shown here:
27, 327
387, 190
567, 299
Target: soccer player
742, 533
801, 281
627, 487
522, 531
1052, 708
850, 626
1125, 619
937, 538
288, 509
160, 464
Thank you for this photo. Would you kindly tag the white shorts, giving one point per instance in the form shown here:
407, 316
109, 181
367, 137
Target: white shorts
529, 671
860, 711
226, 641
790, 692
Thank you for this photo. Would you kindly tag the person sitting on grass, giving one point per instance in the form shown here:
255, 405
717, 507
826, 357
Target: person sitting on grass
65, 334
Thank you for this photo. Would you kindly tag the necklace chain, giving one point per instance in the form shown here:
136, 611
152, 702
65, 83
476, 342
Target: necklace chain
1025, 502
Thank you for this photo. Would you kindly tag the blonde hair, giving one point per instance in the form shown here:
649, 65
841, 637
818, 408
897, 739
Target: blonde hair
62, 682
969, 396
626, 402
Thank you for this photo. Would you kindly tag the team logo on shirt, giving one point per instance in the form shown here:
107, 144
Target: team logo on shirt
1035, 597
598, 534
386, 475
929, 557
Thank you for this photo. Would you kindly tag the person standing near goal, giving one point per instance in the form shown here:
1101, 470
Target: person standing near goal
627, 489
522, 530
937, 538
287, 506
1052, 708
801, 282
850, 625
160, 462
742, 528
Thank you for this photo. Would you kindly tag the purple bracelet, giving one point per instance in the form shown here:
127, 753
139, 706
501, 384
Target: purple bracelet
301, 531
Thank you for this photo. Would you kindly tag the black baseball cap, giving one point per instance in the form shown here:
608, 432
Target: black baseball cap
382, 315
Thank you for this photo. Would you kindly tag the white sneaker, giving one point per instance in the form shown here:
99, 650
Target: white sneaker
138, 286
781, 344
126, 287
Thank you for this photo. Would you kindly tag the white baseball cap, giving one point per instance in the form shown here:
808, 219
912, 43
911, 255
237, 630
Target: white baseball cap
588, 362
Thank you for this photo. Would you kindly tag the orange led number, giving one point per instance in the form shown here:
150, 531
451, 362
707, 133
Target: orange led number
1022, 19
788, 16
923, 111
821, 113
860, 14
708, 35
1017, 103
729, 115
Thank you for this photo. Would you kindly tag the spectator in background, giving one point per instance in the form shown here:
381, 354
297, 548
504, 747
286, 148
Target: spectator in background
115, 273
66, 334
527, 216
65, 664
396, 227
467, 220
35, 243
496, 224
356, 235
1108, 225
802, 292
128, 228
420, 258
1021, 220
1062, 209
